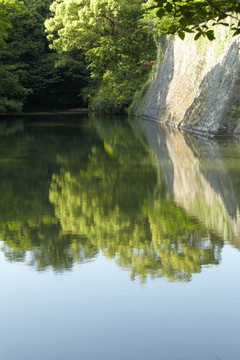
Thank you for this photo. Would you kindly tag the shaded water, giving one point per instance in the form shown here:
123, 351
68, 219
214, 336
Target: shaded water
83, 199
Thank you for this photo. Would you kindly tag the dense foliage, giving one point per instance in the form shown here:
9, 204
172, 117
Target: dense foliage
30, 74
12, 93
199, 16
7, 8
101, 51
115, 43
102, 47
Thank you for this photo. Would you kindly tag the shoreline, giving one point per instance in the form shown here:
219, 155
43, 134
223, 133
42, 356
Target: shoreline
47, 112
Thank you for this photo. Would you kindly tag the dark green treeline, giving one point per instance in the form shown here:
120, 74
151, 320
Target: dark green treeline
46, 62
29, 73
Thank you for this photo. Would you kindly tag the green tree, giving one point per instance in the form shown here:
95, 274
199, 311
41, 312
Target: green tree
197, 16
51, 83
7, 8
115, 44
12, 93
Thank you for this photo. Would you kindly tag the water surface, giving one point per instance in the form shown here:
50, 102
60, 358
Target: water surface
119, 240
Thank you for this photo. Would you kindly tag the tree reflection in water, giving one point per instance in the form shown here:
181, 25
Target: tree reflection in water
71, 192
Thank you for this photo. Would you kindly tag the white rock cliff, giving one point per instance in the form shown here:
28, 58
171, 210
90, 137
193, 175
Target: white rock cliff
197, 87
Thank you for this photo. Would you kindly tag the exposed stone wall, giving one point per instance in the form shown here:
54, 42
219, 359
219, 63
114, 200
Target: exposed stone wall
198, 85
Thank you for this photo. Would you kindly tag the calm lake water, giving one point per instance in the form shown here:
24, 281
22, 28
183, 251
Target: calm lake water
119, 239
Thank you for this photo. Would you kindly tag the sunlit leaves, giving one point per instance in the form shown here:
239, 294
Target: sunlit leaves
196, 14
112, 39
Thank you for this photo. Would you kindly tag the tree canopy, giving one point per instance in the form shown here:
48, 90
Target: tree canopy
11, 91
197, 16
113, 40
7, 8
101, 51
29, 68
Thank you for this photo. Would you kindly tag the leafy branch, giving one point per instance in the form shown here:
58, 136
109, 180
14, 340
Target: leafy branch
197, 16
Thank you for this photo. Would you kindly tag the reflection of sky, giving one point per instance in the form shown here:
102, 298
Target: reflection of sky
96, 312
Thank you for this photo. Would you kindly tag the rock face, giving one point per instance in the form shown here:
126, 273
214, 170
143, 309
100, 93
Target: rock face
197, 87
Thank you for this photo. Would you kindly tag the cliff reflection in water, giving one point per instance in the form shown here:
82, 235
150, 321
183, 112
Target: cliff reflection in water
202, 176
150, 198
